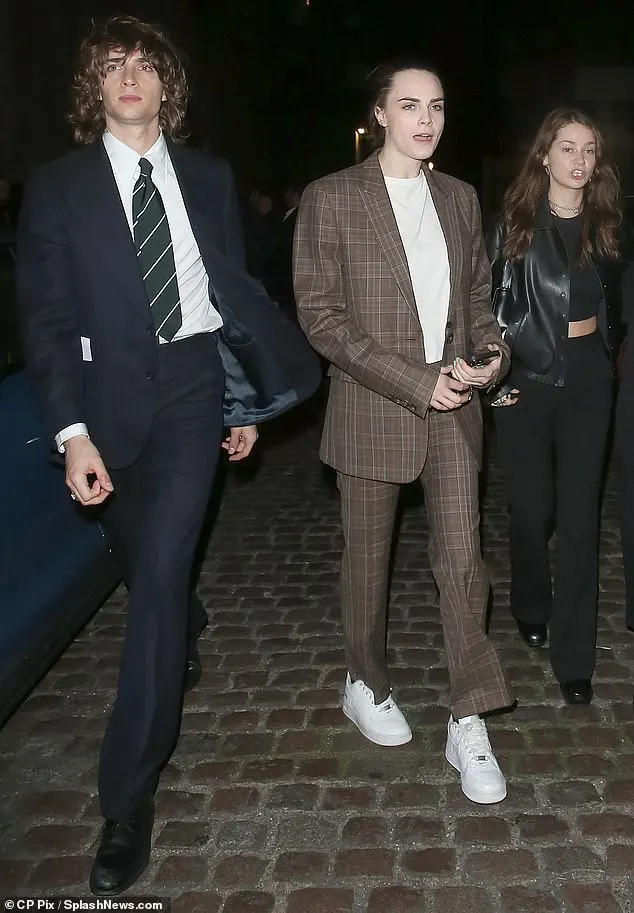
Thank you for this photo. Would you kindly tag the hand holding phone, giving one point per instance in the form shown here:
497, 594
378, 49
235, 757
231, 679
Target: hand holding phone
480, 359
479, 369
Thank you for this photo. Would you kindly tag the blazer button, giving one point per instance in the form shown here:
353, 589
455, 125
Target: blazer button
449, 337
562, 294
149, 376
449, 324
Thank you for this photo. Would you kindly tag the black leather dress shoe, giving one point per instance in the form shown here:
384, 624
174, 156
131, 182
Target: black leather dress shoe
577, 692
533, 635
124, 851
193, 669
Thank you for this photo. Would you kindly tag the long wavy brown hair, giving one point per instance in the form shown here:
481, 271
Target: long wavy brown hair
601, 214
126, 34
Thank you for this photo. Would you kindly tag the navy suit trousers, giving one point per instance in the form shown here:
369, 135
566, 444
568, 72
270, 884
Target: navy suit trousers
154, 519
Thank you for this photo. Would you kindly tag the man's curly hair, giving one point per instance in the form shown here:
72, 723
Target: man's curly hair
126, 34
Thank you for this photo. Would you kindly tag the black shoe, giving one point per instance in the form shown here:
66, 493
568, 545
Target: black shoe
193, 669
577, 692
533, 635
124, 851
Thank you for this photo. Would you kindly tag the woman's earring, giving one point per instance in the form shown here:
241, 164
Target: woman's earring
547, 169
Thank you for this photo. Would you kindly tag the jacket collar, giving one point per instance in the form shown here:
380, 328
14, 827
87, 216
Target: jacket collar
543, 217
372, 174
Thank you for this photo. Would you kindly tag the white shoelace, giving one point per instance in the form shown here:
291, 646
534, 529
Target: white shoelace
476, 740
385, 706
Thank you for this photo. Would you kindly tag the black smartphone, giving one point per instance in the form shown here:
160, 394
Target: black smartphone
480, 359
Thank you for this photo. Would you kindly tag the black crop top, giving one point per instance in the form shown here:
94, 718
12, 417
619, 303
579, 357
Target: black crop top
585, 286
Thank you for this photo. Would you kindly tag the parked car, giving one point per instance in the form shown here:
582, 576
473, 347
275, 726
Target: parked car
56, 567
10, 354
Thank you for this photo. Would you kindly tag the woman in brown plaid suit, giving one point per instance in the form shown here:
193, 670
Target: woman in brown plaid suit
392, 287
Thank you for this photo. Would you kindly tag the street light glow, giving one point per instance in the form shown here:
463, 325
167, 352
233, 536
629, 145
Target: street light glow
359, 133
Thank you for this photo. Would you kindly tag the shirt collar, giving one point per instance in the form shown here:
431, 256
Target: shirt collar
125, 161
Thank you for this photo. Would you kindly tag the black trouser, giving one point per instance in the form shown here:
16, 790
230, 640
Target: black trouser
154, 520
625, 443
627, 537
552, 445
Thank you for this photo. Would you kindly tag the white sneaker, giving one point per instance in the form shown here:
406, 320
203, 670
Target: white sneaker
383, 724
468, 750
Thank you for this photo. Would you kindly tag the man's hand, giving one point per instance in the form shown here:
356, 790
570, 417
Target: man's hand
477, 377
82, 462
449, 393
240, 442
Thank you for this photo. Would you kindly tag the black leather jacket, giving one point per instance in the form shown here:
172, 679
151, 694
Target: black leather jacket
535, 319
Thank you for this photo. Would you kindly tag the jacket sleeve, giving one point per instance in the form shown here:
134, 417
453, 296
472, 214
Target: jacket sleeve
328, 320
495, 251
48, 314
627, 293
484, 327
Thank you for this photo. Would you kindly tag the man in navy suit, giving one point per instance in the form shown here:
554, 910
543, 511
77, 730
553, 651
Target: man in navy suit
144, 340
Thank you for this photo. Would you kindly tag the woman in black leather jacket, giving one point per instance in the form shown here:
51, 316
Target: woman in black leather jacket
553, 255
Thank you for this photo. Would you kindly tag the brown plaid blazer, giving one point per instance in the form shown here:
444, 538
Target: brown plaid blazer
356, 304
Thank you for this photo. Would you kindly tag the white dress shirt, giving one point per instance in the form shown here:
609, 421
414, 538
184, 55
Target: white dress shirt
199, 315
427, 258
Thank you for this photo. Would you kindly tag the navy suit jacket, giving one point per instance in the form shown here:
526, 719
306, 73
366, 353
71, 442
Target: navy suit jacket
77, 276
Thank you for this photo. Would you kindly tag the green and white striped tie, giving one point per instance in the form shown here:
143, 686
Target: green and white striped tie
155, 252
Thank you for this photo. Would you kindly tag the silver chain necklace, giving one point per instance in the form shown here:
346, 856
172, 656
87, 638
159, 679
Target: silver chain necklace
565, 208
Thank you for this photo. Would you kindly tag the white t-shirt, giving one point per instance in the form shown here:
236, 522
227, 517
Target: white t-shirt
427, 258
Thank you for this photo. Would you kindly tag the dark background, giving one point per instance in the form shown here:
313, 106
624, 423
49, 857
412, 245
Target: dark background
278, 85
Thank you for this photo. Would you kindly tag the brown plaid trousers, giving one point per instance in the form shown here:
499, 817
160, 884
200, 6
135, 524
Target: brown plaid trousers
356, 304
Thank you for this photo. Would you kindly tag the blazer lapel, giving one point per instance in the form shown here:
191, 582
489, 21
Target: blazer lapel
207, 234
201, 205
108, 226
377, 202
188, 189
445, 203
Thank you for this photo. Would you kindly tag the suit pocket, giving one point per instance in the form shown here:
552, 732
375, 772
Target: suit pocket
513, 331
402, 343
338, 375
529, 346
86, 348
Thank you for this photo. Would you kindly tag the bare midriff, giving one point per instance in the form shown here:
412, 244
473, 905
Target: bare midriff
583, 327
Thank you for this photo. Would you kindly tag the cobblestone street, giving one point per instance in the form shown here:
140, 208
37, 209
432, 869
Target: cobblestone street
273, 802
